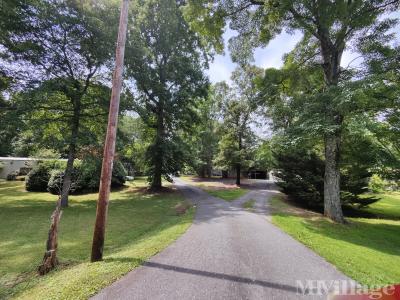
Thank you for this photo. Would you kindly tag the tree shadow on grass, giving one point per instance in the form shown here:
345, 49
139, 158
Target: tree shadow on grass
381, 237
132, 219
348, 210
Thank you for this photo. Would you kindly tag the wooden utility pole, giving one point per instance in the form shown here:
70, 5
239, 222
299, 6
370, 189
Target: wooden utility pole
109, 145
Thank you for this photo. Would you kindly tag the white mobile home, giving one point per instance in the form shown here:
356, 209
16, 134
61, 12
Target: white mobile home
9, 165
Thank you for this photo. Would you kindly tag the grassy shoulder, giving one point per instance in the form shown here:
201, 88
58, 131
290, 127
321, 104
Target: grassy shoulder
139, 226
367, 250
249, 205
217, 187
228, 194
387, 207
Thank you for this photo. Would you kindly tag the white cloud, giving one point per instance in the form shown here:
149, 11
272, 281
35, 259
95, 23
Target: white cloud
220, 69
351, 59
270, 56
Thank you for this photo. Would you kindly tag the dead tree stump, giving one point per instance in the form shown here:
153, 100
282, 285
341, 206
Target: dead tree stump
50, 260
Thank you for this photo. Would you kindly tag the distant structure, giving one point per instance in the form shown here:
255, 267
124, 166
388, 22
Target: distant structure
16, 165
249, 173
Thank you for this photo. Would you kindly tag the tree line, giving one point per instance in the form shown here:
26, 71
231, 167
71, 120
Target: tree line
55, 74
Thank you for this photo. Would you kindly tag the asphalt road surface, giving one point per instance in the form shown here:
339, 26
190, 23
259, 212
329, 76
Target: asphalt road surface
228, 253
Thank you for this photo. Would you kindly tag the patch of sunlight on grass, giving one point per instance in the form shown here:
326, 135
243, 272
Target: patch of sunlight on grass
139, 225
249, 204
387, 206
367, 250
228, 194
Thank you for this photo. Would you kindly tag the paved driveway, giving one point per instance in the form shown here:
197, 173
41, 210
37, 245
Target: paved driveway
228, 253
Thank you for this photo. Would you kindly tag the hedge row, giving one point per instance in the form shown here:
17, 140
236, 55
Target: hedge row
48, 176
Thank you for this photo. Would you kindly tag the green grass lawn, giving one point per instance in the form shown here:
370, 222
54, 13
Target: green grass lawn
228, 194
387, 207
139, 226
367, 250
249, 205
217, 187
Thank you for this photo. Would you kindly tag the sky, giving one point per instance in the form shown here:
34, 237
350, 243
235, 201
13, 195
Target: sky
271, 56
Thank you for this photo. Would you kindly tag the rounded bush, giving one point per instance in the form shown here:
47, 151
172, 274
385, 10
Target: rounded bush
118, 175
37, 178
48, 176
12, 176
55, 183
91, 171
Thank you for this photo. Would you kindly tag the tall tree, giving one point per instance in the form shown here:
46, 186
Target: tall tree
382, 70
329, 25
58, 40
10, 122
238, 105
203, 136
164, 64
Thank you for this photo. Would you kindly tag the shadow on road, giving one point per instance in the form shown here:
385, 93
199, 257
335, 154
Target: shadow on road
222, 276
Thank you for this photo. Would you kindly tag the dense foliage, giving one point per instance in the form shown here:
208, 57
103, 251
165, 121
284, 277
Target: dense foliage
55, 73
64, 48
328, 29
48, 176
164, 61
38, 178
301, 176
238, 106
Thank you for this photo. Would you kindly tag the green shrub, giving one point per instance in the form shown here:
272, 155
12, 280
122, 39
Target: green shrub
12, 176
37, 178
54, 185
377, 184
301, 175
48, 176
91, 170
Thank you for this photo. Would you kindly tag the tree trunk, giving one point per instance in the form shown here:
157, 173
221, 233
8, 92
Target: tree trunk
67, 179
238, 174
50, 260
332, 204
209, 170
202, 172
156, 183
238, 165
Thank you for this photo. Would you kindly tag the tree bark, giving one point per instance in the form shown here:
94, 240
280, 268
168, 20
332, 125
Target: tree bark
156, 183
238, 167
332, 54
332, 203
67, 178
209, 169
202, 172
50, 260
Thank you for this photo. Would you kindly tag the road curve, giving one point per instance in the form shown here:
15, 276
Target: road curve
228, 253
